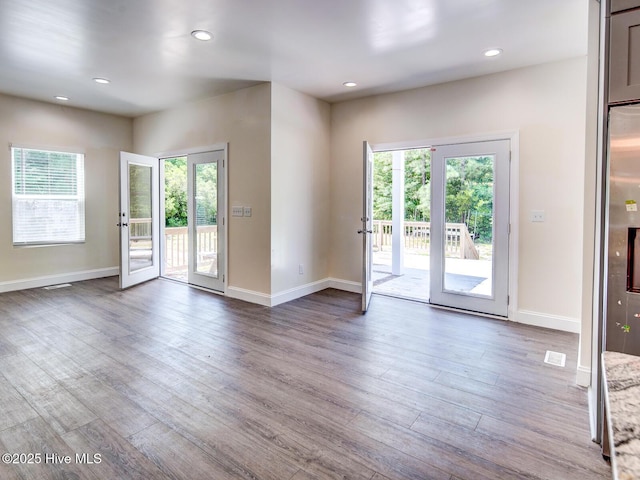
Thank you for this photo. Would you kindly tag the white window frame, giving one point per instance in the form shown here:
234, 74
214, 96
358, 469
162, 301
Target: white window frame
31, 230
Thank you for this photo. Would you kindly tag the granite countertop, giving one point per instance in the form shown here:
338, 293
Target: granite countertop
622, 374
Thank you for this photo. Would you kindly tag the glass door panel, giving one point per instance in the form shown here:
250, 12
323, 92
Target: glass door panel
206, 206
175, 236
139, 219
206, 213
468, 262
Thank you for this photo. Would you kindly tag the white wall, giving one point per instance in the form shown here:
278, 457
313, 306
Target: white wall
242, 119
101, 137
546, 104
300, 139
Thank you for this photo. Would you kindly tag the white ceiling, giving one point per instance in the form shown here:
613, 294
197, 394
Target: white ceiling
56, 47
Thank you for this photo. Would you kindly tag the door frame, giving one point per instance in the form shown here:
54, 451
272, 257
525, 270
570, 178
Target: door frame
224, 146
514, 205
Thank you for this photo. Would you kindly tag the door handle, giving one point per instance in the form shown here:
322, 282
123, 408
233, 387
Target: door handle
365, 231
122, 224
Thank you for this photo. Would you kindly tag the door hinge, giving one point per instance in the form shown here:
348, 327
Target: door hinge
222, 278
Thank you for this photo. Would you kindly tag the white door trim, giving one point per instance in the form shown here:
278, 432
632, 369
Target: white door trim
190, 151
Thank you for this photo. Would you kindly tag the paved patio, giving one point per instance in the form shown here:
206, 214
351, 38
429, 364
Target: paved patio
470, 276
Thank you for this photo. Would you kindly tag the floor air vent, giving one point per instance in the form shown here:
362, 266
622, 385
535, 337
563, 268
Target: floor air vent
53, 287
555, 358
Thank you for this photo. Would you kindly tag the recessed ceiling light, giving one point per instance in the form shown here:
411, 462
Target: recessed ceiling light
201, 35
492, 52
349, 84
62, 98
101, 80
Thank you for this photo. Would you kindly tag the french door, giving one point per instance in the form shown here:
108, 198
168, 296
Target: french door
469, 264
367, 227
206, 219
139, 220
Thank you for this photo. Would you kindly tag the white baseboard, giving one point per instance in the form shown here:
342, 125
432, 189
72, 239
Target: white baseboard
583, 376
297, 292
554, 322
250, 296
292, 293
345, 285
38, 282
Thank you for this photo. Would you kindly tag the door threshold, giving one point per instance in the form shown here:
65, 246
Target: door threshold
442, 307
470, 312
187, 284
403, 297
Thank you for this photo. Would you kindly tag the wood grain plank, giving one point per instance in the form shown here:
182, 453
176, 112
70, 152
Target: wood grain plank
186, 383
121, 414
333, 436
51, 400
571, 453
177, 457
36, 437
508, 459
118, 457
15, 409
442, 455
247, 457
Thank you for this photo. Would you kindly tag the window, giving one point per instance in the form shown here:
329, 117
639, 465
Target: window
48, 197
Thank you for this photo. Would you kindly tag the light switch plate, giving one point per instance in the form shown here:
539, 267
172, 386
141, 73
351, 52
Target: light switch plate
247, 211
237, 211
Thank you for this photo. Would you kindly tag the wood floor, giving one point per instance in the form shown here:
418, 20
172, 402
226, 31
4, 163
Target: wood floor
163, 381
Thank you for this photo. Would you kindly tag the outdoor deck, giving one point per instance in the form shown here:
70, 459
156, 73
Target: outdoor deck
467, 268
473, 276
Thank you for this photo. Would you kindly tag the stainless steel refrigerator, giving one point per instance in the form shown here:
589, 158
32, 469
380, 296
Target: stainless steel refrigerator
622, 333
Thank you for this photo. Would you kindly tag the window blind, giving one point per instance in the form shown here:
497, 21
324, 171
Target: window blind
47, 196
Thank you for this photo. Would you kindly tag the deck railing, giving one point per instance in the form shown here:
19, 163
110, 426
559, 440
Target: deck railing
176, 241
417, 238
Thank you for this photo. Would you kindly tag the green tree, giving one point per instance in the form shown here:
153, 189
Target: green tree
206, 191
468, 195
417, 199
382, 185
417, 179
175, 181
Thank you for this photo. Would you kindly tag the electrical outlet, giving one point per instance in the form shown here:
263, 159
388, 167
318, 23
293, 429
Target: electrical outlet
237, 211
537, 215
247, 211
